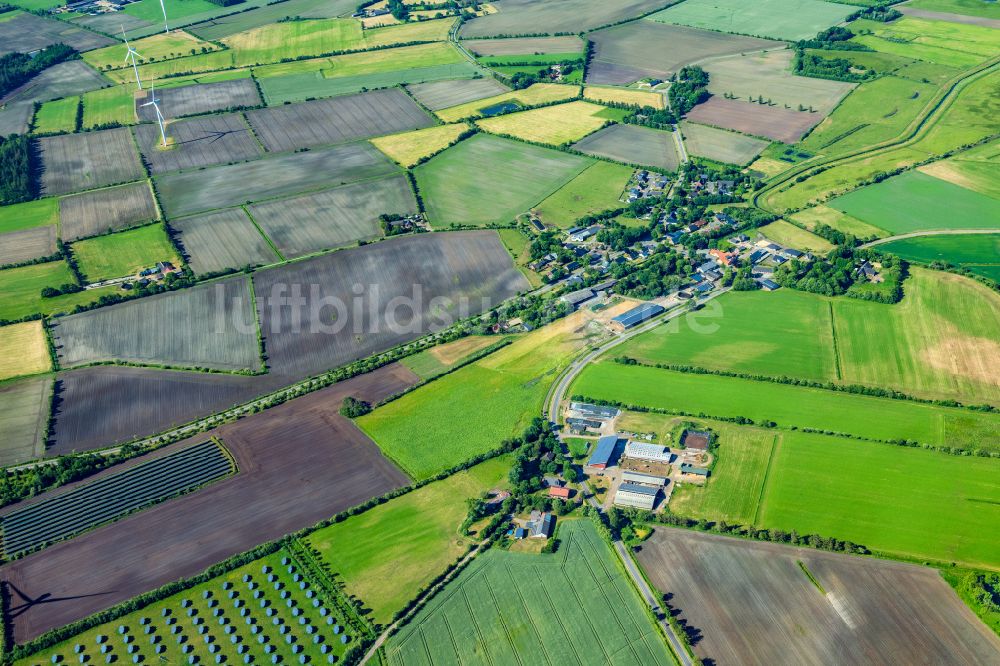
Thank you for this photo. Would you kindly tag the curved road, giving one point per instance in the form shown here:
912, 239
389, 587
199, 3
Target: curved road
938, 232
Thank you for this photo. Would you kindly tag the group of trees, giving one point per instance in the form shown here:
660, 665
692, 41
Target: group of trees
18, 68
688, 89
837, 275
835, 69
16, 166
352, 407
660, 274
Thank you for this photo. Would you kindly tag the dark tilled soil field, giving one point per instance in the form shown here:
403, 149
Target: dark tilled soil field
200, 98
198, 142
641, 49
751, 603
523, 17
75, 162
771, 122
27, 244
438, 95
633, 144
27, 32
361, 301
72, 77
92, 213
299, 463
327, 121
222, 239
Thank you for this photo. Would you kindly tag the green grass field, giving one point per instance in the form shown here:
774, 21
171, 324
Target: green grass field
38, 213
486, 179
574, 605
941, 42
20, 290
599, 187
385, 555
149, 10
789, 235
914, 201
910, 502
977, 253
437, 360
57, 116
977, 169
443, 423
711, 395
874, 112
810, 217
124, 253
169, 619
161, 46
109, 105
789, 20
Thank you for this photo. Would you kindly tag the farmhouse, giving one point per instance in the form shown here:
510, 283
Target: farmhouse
541, 525
561, 493
606, 452
578, 298
651, 452
588, 410
696, 439
769, 285
643, 479
631, 494
636, 316
581, 426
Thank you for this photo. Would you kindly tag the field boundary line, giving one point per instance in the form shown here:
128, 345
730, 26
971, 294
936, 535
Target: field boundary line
506, 629
475, 625
762, 496
261, 352
267, 239
604, 595
597, 636
451, 639
246, 122
836, 345
526, 613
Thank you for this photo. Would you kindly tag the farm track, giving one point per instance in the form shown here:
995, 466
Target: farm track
922, 124
933, 232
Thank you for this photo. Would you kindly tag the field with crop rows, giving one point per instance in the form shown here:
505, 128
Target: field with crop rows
642, 49
513, 46
98, 211
208, 326
25, 33
74, 162
789, 20
188, 100
337, 120
19, 246
22, 422
197, 142
191, 192
69, 78
224, 26
124, 253
158, 47
439, 95
633, 144
456, 190
23, 350
574, 602
332, 218
539, 93
385, 555
64, 515
720, 145
755, 602
771, 122
598, 188
222, 239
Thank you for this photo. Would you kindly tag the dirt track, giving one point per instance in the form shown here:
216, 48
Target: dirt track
299, 463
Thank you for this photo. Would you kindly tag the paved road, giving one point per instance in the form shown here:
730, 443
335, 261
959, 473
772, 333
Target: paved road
938, 232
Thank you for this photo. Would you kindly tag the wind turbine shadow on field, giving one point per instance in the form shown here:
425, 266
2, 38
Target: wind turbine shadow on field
45, 598
210, 137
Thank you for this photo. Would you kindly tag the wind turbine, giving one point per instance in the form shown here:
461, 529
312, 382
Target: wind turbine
164, 8
132, 53
156, 107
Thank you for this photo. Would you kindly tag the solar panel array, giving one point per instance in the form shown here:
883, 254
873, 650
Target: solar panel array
112, 497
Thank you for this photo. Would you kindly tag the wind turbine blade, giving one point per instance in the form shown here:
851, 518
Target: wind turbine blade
164, 8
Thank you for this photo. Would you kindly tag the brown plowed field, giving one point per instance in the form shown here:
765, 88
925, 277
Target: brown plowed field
772, 122
198, 142
299, 463
92, 213
27, 244
751, 603
200, 98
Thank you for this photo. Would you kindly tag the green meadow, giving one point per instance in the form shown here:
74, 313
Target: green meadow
20, 290
57, 116
598, 188
940, 42
124, 253
38, 213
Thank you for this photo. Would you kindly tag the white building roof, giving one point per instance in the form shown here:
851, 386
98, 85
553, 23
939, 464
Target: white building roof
648, 452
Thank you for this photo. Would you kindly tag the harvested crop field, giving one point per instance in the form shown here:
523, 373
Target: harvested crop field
15, 118
785, 125
438, 95
337, 120
455, 190
27, 244
456, 275
770, 74
554, 125
629, 96
223, 239
95, 212
23, 350
25, 33
789, 20
65, 79
299, 463
643, 49
207, 326
753, 603
74, 162
633, 144
200, 98
520, 17
534, 95
333, 218
524, 45
185, 193
197, 142
720, 145
409, 148
22, 422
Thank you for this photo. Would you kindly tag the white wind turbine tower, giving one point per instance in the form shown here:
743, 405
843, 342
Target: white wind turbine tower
156, 107
164, 8
132, 53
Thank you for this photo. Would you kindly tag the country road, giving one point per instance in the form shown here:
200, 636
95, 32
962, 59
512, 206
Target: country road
937, 232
